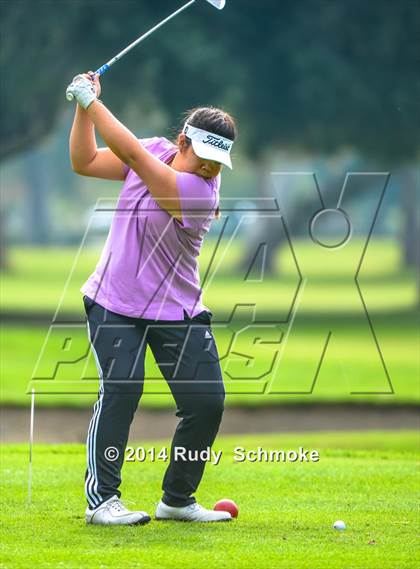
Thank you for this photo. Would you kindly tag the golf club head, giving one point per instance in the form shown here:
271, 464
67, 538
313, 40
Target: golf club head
219, 4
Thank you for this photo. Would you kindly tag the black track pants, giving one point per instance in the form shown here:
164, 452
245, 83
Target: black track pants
188, 359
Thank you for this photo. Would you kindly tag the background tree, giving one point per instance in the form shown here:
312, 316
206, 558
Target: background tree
326, 75
312, 75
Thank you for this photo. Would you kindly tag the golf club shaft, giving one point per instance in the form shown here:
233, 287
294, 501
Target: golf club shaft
107, 65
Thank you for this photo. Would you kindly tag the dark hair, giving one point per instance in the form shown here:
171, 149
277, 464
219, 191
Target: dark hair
213, 120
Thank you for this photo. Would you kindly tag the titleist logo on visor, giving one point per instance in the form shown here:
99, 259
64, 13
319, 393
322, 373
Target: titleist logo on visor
205, 137
216, 141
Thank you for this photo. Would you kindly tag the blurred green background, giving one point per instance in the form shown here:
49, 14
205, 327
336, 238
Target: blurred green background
389, 292
318, 86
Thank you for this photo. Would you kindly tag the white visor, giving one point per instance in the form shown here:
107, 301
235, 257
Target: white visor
208, 145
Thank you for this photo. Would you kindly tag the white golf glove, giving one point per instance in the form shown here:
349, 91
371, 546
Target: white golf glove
83, 90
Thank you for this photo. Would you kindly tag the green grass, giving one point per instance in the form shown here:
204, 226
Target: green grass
329, 302
286, 510
40, 280
350, 362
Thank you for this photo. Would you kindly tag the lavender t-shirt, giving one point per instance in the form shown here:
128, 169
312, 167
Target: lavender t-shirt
149, 267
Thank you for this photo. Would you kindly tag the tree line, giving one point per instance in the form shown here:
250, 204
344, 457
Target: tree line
310, 75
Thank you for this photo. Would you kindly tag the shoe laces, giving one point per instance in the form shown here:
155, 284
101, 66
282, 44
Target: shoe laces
195, 507
116, 505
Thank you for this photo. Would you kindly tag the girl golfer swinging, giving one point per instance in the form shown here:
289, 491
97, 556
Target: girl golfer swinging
145, 291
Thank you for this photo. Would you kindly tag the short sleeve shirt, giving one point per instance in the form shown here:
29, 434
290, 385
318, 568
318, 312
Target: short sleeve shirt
149, 264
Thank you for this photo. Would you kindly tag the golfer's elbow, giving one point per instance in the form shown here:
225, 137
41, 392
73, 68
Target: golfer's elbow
131, 162
142, 162
133, 158
77, 167
79, 164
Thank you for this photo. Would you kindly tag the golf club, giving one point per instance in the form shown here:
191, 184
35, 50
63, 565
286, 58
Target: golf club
219, 4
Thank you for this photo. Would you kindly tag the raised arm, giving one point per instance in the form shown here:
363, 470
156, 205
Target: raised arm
86, 158
158, 177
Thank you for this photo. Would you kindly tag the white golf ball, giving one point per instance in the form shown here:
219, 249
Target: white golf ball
339, 525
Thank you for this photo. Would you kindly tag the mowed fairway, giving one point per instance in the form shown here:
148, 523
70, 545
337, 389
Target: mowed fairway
75, 384
329, 301
42, 280
286, 510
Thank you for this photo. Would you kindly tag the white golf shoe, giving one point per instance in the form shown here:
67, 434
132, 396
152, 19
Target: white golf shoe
114, 513
192, 513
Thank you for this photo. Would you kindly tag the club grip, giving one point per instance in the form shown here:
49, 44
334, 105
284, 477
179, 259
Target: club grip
102, 69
